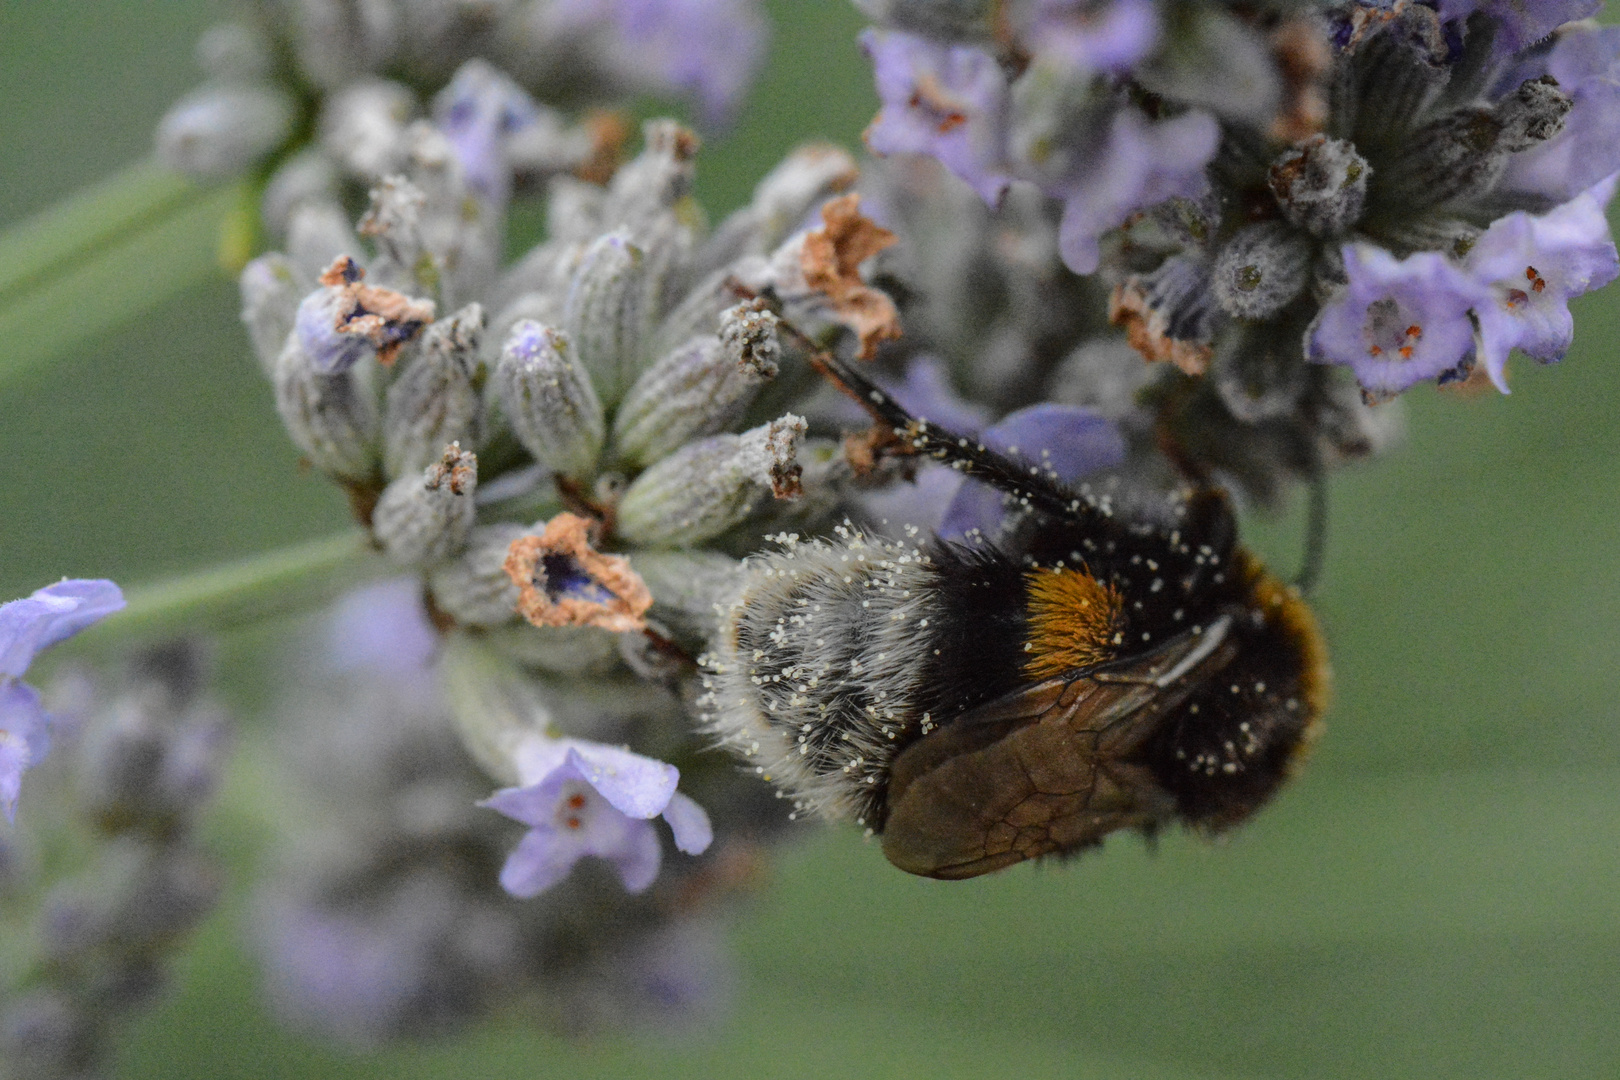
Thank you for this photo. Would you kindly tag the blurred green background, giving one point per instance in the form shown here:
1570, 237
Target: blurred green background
1439, 896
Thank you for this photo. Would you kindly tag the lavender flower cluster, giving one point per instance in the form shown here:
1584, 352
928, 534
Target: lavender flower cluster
110, 878
311, 91
569, 452
1146, 242
1403, 190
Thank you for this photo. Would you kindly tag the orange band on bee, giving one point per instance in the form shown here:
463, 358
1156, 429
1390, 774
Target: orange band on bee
1074, 621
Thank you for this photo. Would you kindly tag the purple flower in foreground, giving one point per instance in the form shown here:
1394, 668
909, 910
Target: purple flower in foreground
1139, 164
477, 112
949, 102
1097, 35
1398, 321
1532, 266
582, 798
1063, 441
1520, 22
1586, 63
27, 628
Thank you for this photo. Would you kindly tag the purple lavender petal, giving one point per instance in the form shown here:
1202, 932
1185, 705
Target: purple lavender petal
1533, 265
1398, 321
24, 739
690, 824
478, 111
1586, 63
30, 626
1142, 163
1065, 441
637, 855
921, 504
637, 786
1112, 36
946, 101
542, 859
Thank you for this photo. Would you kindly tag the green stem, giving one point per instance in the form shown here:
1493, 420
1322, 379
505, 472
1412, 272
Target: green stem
253, 590
103, 256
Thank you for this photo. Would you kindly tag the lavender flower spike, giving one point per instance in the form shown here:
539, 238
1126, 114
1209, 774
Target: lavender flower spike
949, 102
582, 798
1533, 265
27, 628
1398, 321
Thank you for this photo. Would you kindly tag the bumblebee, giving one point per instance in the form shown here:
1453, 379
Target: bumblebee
979, 704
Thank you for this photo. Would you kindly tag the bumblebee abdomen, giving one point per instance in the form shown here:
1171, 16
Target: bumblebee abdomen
1242, 733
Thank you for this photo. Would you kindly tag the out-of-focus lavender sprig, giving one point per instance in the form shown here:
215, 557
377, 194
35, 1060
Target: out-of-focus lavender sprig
134, 770
386, 917
344, 73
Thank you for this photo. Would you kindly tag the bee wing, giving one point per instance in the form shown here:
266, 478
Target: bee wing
1044, 769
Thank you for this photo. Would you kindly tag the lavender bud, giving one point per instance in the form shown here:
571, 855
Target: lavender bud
701, 387
496, 706
570, 651
331, 418
426, 518
317, 233
436, 399
690, 588
605, 314
363, 127
272, 288
659, 177
548, 399
1321, 185
231, 52
574, 210
546, 146
707, 487
787, 195
1533, 113
347, 320
1256, 369
393, 221
222, 131
1211, 59
1261, 269
474, 588
307, 176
